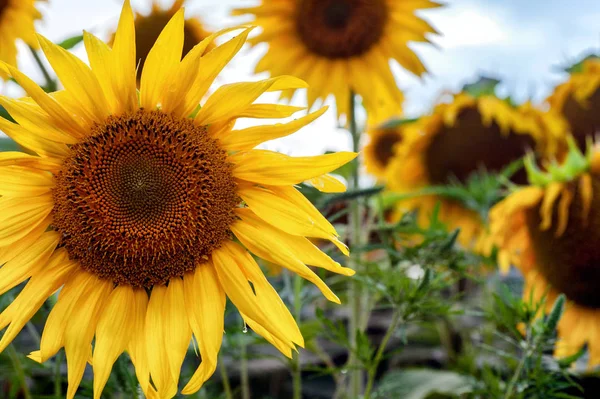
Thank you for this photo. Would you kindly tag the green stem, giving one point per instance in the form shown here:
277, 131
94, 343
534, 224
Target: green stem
515, 378
225, 379
50, 85
380, 351
297, 366
245, 379
356, 373
18, 367
58, 375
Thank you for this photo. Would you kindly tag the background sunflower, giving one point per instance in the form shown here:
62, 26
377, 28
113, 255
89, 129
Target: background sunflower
549, 230
17, 19
335, 45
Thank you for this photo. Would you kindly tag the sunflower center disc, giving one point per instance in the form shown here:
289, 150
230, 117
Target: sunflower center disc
571, 262
341, 28
144, 199
3, 5
384, 147
457, 151
583, 119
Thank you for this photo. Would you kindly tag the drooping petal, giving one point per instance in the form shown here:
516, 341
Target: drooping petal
273, 168
292, 216
137, 344
113, 332
205, 303
158, 358
80, 330
178, 333
236, 268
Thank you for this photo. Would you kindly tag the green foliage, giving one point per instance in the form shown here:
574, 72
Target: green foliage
484, 86
71, 42
423, 384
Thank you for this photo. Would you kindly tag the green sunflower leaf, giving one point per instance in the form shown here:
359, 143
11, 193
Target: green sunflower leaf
484, 86
71, 42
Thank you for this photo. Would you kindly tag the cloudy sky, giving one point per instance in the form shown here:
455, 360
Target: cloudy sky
524, 43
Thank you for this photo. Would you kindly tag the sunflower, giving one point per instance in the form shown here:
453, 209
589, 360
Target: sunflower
339, 46
380, 148
17, 19
456, 141
148, 28
133, 201
578, 100
550, 231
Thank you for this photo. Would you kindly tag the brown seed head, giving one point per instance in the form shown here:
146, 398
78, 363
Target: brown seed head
146, 197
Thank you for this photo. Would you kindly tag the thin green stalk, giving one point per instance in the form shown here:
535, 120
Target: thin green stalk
245, 379
379, 355
18, 367
515, 378
225, 380
58, 360
50, 85
297, 366
356, 373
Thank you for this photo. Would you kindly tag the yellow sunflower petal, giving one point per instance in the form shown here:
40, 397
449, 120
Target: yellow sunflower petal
113, 333
162, 62
205, 302
260, 241
78, 79
15, 158
246, 139
61, 117
158, 358
328, 184
212, 64
137, 345
232, 264
20, 216
273, 168
124, 60
24, 265
282, 346
80, 330
269, 111
235, 97
32, 118
278, 211
16, 181
178, 333
552, 192
35, 143
33, 296
9, 252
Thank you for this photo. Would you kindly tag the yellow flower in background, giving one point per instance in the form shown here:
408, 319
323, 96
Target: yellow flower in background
132, 202
550, 231
470, 134
342, 45
578, 100
17, 19
148, 28
380, 148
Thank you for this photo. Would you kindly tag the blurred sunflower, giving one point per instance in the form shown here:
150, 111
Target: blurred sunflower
131, 206
148, 28
380, 148
17, 19
339, 46
550, 231
578, 99
459, 139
